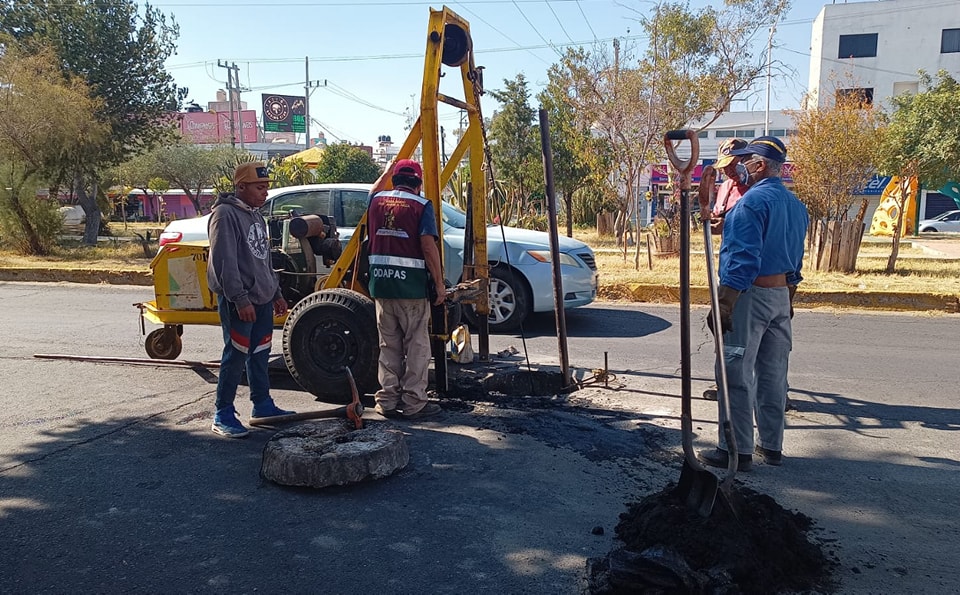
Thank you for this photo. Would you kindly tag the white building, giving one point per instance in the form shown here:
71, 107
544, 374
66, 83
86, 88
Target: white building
876, 48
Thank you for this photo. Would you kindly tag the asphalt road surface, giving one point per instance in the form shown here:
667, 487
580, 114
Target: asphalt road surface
111, 481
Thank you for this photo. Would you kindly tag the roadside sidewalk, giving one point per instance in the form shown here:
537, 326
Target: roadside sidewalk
630, 292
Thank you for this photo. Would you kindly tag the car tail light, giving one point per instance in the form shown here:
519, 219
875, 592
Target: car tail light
170, 237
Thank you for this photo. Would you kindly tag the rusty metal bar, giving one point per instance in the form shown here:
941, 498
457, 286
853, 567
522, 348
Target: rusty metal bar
130, 361
555, 249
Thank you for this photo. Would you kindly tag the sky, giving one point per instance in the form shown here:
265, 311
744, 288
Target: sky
369, 53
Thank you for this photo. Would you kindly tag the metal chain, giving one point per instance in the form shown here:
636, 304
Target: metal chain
476, 76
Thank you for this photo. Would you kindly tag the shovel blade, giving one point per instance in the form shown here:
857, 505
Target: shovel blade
698, 488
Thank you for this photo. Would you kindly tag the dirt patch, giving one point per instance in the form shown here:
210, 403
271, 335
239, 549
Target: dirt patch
749, 544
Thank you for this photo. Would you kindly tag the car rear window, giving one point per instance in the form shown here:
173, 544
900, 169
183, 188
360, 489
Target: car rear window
312, 202
354, 206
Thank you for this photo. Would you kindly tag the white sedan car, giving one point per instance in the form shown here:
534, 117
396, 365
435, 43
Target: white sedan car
949, 221
520, 265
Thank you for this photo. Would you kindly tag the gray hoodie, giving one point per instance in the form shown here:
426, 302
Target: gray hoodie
239, 267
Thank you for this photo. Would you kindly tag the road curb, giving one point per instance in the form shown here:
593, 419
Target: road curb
633, 292
27, 274
869, 300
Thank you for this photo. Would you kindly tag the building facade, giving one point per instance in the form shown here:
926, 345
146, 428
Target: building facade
874, 49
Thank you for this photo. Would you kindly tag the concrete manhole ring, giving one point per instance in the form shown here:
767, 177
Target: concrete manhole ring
333, 452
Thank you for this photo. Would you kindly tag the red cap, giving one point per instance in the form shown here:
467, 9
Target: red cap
408, 167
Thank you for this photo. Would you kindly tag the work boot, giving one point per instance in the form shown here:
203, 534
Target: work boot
770, 457
718, 457
225, 423
267, 408
392, 413
428, 410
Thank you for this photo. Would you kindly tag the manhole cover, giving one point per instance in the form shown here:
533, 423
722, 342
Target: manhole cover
332, 452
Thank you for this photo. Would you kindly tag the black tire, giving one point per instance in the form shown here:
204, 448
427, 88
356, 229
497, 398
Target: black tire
510, 300
326, 331
929, 229
164, 343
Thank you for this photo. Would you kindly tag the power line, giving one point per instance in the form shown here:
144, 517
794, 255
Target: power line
505, 36
844, 63
417, 55
587, 21
535, 30
559, 22
334, 3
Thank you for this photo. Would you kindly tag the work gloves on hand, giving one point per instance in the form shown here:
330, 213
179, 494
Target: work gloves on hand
727, 298
793, 292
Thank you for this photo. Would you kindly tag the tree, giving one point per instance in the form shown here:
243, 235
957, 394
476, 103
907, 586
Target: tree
695, 64
347, 163
291, 172
119, 49
833, 152
514, 147
567, 142
922, 139
192, 168
44, 120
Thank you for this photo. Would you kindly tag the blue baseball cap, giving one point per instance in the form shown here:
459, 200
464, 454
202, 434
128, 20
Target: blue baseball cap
770, 147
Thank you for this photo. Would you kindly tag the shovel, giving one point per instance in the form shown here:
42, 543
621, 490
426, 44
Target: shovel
697, 485
707, 178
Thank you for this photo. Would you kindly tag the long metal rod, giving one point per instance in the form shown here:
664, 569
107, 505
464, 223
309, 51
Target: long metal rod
555, 248
131, 361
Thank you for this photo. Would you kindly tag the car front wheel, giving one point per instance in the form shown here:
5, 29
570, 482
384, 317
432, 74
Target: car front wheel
510, 300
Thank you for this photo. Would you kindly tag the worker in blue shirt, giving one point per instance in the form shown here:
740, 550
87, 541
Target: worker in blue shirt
760, 261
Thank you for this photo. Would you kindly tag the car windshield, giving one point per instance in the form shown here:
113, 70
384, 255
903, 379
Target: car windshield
453, 216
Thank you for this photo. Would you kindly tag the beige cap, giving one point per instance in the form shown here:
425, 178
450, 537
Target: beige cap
724, 158
250, 172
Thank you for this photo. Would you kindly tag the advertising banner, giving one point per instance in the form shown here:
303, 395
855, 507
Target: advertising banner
284, 113
249, 118
660, 173
207, 128
199, 128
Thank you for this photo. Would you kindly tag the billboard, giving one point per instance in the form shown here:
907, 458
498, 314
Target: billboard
199, 127
284, 113
249, 118
208, 128
660, 174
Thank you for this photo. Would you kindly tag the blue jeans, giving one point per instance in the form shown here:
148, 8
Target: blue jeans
757, 353
244, 344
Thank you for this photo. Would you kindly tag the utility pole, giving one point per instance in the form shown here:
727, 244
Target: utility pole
233, 86
308, 88
766, 116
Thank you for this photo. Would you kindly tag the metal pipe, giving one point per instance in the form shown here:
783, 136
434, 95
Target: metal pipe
555, 248
133, 361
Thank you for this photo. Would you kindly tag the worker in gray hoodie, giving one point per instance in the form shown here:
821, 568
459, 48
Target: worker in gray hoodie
240, 272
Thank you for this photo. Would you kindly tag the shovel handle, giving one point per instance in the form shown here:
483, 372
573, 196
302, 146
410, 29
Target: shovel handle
684, 167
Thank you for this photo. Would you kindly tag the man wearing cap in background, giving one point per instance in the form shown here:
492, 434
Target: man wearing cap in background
403, 250
728, 194
240, 272
760, 261
731, 189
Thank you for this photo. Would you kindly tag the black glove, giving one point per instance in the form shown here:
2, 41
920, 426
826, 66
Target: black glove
727, 296
793, 292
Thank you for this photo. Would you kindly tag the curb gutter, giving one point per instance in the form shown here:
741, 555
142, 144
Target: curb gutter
33, 275
867, 300
633, 292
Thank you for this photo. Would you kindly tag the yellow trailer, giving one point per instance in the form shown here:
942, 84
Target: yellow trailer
181, 297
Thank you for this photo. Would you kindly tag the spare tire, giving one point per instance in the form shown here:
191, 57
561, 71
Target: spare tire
327, 331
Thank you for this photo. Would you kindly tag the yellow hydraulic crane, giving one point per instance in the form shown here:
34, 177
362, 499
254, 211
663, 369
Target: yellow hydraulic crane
335, 327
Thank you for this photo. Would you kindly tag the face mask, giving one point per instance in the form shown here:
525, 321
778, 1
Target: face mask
743, 174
